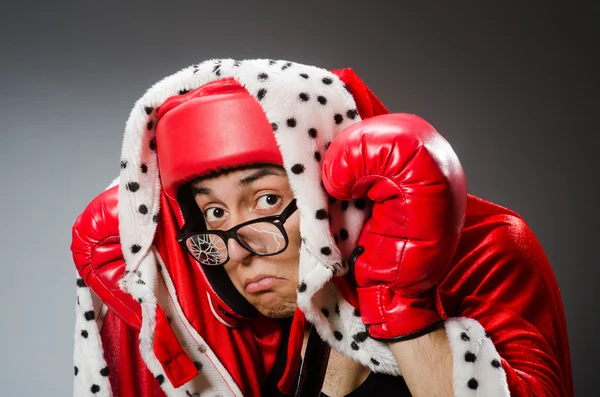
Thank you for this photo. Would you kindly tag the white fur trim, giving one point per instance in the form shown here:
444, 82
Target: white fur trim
329, 110
213, 379
90, 368
477, 369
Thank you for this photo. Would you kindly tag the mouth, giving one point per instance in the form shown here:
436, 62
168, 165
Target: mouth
261, 283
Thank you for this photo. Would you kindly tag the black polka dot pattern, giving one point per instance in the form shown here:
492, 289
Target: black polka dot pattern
360, 204
302, 287
327, 81
150, 125
304, 75
133, 186
375, 362
89, 315
495, 363
473, 384
155, 218
148, 110
95, 389
317, 156
143, 209
361, 336
326, 251
291, 122
465, 337
321, 214
123, 164
135, 248
105, 371
357, 312
470, 357
344, 234
322, 100
304, 97
338, 335
312, 133
338, 118
198, 365
351, 114
182, 92
261, 94
144, 168
297, 169
76, 370
263, 77
152, 144
160, 379
274, 126
287, 65
84, 333
80, 283
354, 345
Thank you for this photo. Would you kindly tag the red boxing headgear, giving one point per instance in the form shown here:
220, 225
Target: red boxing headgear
218, 125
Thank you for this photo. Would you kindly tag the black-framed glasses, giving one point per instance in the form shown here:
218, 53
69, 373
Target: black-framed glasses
262, 236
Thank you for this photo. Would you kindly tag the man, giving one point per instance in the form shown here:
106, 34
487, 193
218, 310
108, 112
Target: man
246, 188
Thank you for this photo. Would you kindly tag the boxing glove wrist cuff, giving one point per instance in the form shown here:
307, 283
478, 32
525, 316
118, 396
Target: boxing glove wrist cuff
388, 315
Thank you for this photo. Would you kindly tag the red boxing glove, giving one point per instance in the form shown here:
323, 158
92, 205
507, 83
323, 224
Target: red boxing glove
409, 170
98, 257
97, 254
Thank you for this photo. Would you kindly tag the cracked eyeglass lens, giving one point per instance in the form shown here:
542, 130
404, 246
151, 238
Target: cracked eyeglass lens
208, 249
262, 238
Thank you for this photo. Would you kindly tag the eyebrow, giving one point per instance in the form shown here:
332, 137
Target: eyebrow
196, 190
259, 174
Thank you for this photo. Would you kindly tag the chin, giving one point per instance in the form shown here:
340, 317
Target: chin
273, 306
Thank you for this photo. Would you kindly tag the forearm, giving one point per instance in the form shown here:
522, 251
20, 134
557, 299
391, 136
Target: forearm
426, 364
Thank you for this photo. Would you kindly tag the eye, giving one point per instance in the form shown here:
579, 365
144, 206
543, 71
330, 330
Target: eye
268, 201
214, 214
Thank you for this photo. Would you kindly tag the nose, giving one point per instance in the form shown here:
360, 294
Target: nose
236, 252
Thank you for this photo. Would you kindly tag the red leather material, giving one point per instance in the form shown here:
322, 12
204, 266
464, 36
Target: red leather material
98, 257
195, 132
418, 187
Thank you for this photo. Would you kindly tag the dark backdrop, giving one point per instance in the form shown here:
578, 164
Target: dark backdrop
513, 87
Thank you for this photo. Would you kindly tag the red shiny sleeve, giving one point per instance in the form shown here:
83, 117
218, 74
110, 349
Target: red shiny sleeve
502, 279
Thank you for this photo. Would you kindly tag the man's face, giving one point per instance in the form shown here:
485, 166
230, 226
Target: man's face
268, 282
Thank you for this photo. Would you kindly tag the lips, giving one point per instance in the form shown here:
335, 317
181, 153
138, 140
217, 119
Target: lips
260, 283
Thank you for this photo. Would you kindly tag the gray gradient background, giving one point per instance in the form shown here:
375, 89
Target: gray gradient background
513, 89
